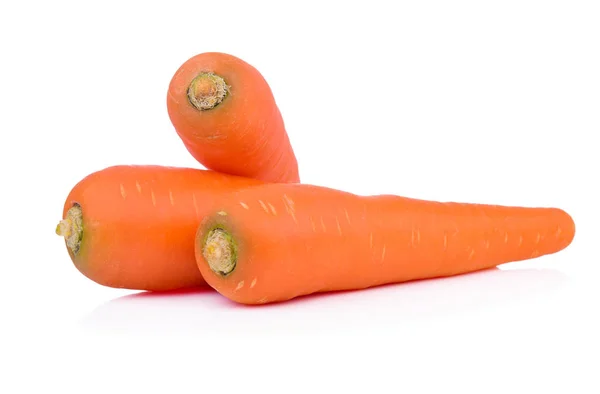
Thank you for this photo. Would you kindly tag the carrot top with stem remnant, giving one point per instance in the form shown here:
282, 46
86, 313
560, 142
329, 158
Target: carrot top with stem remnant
207, 90
71, 228
220, 251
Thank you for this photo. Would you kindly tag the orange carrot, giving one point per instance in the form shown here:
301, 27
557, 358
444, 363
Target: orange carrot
275, 242
133, 226
224, 112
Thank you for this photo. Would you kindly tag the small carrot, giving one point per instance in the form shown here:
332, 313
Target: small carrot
274, 242
133, 226
224, 112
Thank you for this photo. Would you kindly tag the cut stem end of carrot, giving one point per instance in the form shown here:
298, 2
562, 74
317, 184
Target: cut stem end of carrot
71, 228
220, 252
207, 90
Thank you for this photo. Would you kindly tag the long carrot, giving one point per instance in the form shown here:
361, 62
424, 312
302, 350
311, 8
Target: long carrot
275, 242
224, 112
133, 226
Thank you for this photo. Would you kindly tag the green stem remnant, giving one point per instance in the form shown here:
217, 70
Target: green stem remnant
220, 251
72, 228
207, 90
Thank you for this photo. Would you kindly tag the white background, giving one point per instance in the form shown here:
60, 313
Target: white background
480, 101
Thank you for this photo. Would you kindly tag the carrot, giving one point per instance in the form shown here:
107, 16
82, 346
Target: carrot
275, 242
224, 112
133, 226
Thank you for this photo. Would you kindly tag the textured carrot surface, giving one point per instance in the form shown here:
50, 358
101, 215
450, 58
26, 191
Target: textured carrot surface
225, 113
133, 226
275, 242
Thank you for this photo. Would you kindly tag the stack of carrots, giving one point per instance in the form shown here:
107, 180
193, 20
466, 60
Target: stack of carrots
247, 227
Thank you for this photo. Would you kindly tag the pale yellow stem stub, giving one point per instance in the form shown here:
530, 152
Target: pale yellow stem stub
71, 228
207, 90
220, 252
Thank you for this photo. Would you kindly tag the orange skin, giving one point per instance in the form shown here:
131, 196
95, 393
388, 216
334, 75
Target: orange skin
294, 239
243, 135
139, 224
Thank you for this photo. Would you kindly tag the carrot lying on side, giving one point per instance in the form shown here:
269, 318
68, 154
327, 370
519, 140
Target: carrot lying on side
133, 226
275, 242
224, 112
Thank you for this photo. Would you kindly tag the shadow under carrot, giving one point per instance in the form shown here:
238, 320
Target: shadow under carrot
197, 312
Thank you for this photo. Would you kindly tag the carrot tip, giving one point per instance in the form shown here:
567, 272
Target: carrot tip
71, 228
220, 251
207, 90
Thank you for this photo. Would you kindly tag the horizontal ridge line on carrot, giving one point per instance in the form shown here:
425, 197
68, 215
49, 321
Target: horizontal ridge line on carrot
133, 226
275, 242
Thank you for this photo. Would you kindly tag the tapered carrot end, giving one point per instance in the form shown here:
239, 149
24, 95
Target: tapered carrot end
207, 90
71, 228
565, 230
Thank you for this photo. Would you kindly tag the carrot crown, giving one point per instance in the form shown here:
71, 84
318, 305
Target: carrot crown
72, 228
207, 90
220, 251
